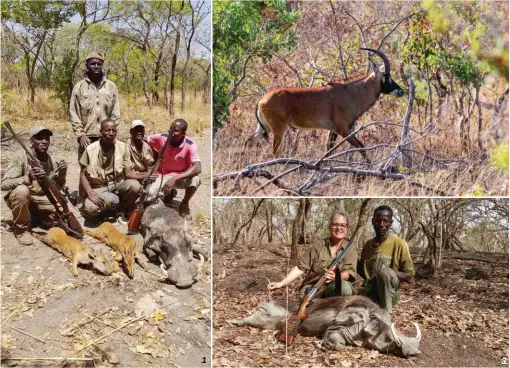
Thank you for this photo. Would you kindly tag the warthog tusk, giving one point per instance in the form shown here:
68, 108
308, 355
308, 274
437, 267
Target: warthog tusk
418, 331
201, 261
199, 266
394, 334
165, 272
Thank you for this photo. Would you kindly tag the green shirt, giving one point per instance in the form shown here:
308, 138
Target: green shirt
317, 258
393, 253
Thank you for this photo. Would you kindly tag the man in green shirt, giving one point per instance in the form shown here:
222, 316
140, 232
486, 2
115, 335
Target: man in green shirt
385, 261
316, 260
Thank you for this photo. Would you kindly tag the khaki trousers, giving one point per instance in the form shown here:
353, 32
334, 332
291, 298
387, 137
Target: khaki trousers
23, 204
128, 192
194, 181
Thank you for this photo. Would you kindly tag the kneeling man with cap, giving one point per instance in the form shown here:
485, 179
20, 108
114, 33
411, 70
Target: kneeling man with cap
140, 152
21, 181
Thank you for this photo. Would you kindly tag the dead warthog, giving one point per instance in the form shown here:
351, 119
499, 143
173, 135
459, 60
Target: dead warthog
340, 321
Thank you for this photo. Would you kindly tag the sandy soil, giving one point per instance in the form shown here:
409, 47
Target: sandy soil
47, 313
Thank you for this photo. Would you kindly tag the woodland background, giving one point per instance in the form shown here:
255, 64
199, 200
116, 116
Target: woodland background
459, 297
156, 52
456, 53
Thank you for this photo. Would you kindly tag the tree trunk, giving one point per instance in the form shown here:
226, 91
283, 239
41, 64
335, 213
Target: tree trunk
295, 228
174, 62
303, 233
248, 222
207, 81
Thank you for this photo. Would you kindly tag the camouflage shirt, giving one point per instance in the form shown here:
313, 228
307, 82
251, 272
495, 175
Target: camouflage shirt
316, 260
90, 105
17, 173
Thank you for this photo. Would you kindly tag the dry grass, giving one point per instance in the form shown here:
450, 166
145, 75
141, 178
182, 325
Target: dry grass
50, 112
465, 175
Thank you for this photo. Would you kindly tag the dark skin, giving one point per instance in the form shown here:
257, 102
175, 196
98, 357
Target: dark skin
95, 74
137, 135
177, 135
40, 145
108, 134
381, 222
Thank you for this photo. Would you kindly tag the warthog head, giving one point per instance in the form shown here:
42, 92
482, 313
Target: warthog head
175, 254
166, 241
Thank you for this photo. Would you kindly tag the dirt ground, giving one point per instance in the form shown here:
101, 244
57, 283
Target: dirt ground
48, 313
463, 315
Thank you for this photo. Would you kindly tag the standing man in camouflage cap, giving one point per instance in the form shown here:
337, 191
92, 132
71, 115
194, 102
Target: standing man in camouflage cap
93, 100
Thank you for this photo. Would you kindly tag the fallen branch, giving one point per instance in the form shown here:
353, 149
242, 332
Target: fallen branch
275, 178
56, 358
27, 334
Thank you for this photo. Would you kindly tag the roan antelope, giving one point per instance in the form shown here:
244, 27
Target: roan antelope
334, 107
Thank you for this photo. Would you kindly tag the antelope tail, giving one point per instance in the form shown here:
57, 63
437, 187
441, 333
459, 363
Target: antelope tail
261, 122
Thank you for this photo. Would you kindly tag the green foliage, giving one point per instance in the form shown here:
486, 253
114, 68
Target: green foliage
243, 31
43, 15
478, 191
430, 49
62, 78
500, 158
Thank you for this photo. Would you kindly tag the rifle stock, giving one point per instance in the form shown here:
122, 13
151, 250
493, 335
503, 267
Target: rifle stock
136, 216
291, 327
66, 217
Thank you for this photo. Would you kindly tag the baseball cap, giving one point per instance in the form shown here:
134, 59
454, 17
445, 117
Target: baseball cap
38, 129
94, 55
136, 123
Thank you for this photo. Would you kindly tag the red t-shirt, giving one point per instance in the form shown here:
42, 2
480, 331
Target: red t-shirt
177, 159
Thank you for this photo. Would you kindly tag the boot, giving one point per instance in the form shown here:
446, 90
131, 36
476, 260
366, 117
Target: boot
24, 238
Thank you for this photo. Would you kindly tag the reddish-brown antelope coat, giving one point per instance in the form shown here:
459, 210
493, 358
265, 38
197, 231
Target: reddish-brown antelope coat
334, 107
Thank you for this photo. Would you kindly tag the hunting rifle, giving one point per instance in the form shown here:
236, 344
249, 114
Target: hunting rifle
50, 189
290, 328
136, 215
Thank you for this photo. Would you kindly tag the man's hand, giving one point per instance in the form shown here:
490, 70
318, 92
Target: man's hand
274, 285
150, 178
169, 185
36, 173
61, 167
94, 198
330, 276
84, 141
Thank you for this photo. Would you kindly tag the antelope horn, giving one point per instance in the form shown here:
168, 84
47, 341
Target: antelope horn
394, 334
418, 332
383, 57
